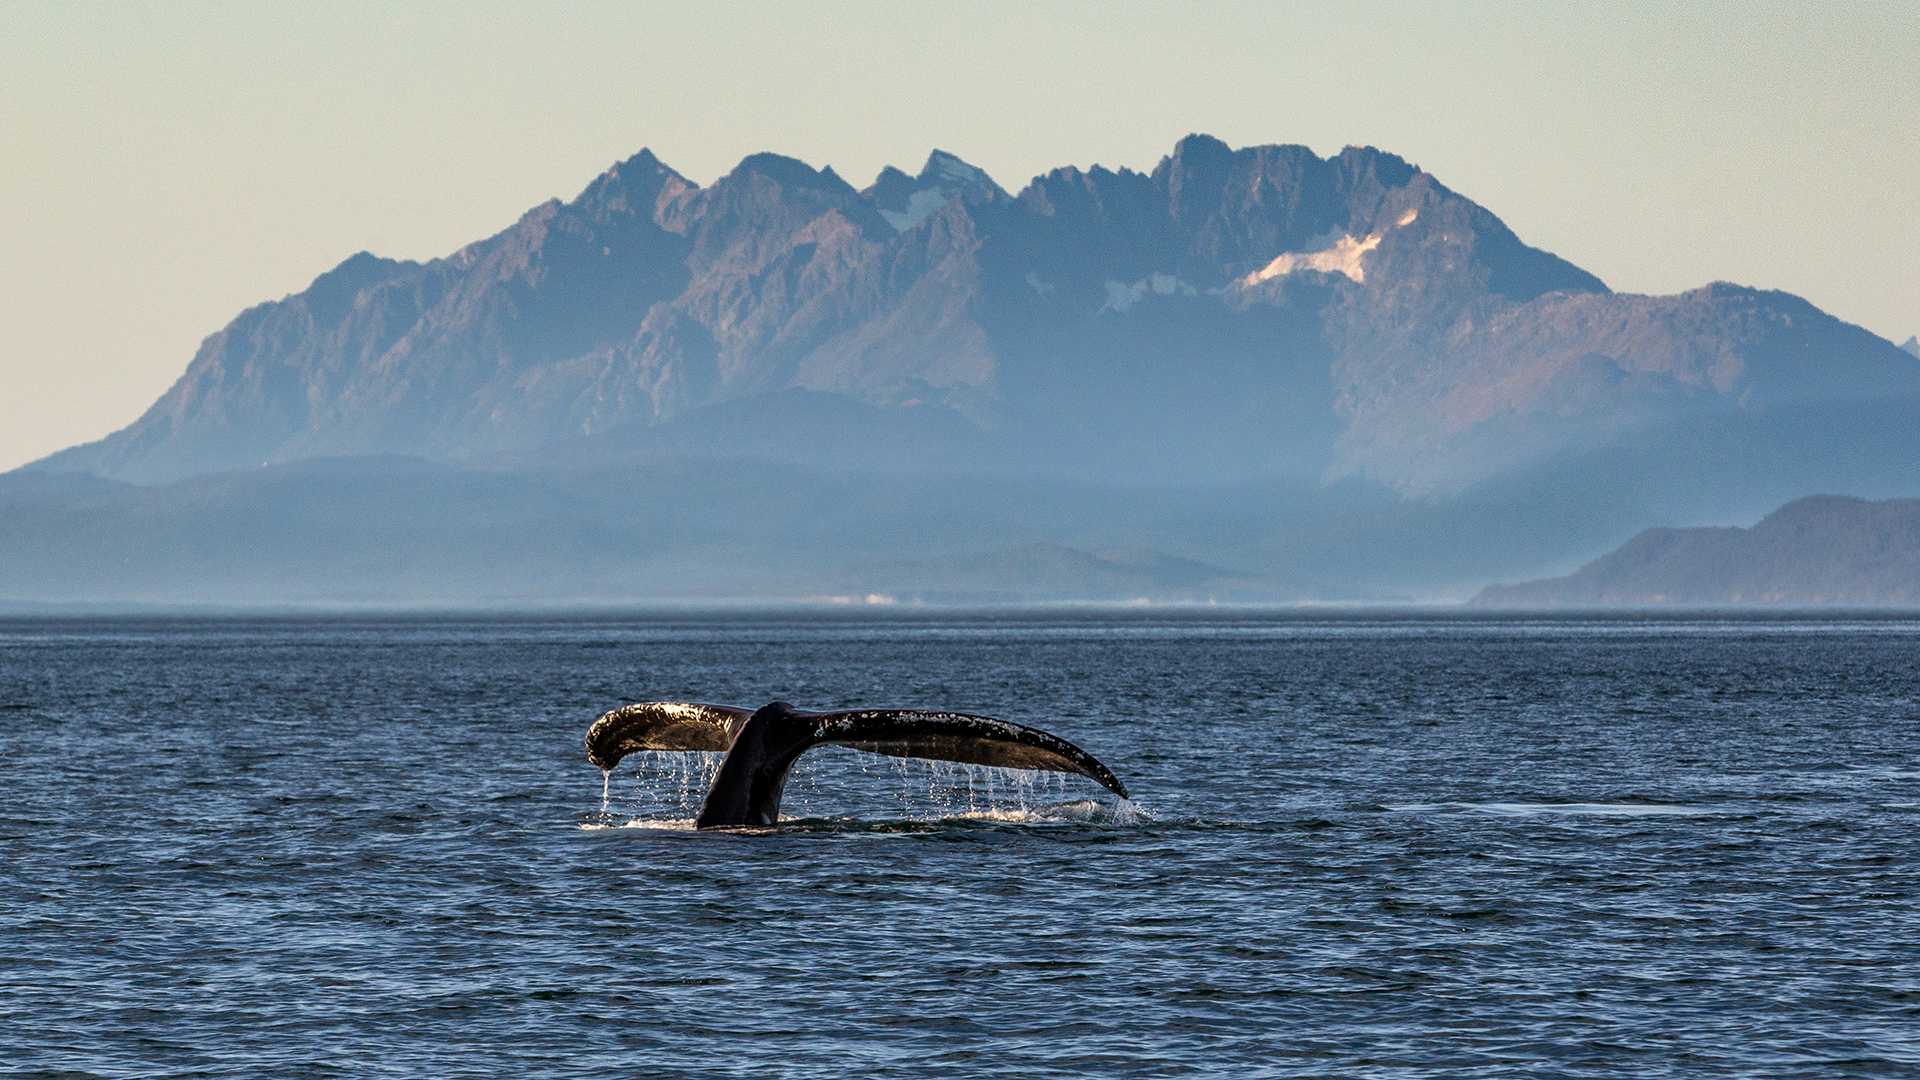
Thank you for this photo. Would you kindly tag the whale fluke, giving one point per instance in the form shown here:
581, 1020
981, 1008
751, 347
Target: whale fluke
663, 725
762, 746
964, 737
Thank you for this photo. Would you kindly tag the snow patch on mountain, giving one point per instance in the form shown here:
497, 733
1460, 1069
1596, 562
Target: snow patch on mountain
920, 205
1342, 258
944, 178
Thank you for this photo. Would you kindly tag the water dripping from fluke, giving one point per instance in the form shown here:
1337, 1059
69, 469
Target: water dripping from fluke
982, 768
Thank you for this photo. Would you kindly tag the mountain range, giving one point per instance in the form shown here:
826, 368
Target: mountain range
1335, 373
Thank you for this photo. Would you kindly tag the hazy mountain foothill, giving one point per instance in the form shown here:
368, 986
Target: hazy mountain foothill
1820, 550
1249, 375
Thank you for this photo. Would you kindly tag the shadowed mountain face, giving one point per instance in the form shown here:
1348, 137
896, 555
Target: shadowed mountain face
1290, 369
1823, 549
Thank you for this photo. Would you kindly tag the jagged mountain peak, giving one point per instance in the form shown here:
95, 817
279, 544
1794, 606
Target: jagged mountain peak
633, 186
1103, 199
1242, 209
1198, 147
757, 210
788, 172
1094, 178
337, 288
1363, 164
955, 174
643, 168
905, 201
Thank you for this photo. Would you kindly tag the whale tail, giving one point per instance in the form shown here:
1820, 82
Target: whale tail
762, 746
663, 725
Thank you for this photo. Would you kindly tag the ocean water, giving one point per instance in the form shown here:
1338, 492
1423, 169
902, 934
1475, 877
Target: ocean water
1358, 846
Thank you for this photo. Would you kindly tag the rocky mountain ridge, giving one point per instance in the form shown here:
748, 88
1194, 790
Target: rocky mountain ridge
1347, 315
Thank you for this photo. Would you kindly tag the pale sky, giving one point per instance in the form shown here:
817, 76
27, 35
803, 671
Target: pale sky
167, 165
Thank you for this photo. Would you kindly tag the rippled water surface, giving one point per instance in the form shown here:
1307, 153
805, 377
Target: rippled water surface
1370, 847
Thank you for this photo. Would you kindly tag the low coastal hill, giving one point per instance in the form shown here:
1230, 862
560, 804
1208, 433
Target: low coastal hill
1820, 550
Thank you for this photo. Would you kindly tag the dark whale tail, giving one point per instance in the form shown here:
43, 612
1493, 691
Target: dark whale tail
762, 746
663, 725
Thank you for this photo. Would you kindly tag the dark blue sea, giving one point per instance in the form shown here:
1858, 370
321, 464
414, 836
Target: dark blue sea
1358, 846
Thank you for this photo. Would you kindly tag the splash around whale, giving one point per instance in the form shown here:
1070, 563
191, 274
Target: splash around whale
761, 746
